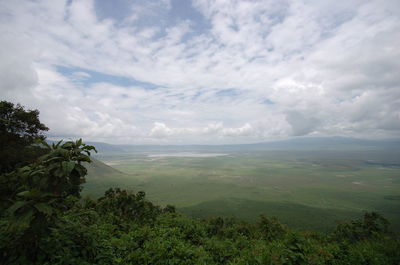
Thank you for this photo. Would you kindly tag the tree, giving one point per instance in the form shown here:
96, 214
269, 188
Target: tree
32, 197
19, 130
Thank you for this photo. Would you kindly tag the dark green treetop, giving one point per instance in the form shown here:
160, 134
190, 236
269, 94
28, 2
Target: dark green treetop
19, 130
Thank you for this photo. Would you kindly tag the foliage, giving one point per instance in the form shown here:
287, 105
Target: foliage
38, 192
125, 205
103, 232
271, 228
371, 226
19, 129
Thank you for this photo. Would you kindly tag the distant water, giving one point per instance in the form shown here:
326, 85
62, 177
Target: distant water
187, 154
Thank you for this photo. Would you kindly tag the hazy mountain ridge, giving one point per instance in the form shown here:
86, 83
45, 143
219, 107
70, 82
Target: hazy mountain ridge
295, 143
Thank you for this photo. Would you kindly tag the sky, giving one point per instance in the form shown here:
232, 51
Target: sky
203, 71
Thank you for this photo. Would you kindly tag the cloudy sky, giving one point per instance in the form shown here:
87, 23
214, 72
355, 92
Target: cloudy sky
204, 71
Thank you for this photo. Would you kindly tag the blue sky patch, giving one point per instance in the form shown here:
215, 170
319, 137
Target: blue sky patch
267, 102
155, 14
93, 77
228, 93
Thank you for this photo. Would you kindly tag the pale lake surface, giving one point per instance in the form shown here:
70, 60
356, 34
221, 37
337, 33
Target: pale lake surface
187, 154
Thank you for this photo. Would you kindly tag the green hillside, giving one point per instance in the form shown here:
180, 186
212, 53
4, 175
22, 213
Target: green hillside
101, 177
98, 170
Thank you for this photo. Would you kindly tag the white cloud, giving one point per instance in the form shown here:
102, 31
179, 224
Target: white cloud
160, 130
257, 70
245, 130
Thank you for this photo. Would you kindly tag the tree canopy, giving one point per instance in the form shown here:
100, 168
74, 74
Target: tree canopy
19, 130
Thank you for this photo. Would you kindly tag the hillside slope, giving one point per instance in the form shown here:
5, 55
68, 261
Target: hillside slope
99, 170
101, 177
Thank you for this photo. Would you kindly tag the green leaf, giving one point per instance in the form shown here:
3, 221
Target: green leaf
68, 145
57, 158
25, 194
58, 144
82, 171
17, 205
26, 217
44, 208
44, 143
67, 167
84, 158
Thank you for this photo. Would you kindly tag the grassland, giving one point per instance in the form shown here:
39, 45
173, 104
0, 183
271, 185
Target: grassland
308, 189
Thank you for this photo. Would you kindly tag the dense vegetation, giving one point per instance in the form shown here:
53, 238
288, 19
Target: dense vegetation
19, 129
44, 221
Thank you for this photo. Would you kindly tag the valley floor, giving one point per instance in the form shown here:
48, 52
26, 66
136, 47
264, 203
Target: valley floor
304, 189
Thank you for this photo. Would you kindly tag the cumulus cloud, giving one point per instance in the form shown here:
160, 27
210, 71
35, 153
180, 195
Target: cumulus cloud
17, 73
245, 130
232, 71
301, 124
160, 130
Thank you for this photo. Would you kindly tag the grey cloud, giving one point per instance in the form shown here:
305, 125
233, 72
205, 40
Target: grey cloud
17, 73
302, 124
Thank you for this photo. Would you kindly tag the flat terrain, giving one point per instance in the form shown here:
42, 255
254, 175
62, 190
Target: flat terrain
306, 189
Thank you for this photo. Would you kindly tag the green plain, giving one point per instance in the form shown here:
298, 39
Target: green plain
304, 189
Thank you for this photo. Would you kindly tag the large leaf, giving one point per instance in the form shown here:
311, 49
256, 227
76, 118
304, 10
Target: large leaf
84, 158
52, 159
17, 205
44, 208
44, 143
57, 145
26, 217
67, 166
25, 194
82, 171
68, 145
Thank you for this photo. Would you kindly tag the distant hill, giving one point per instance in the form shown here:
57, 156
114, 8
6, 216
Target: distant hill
100, 178
329, 142
98, 170
295, 143
100, 146
104, 147
303, 143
